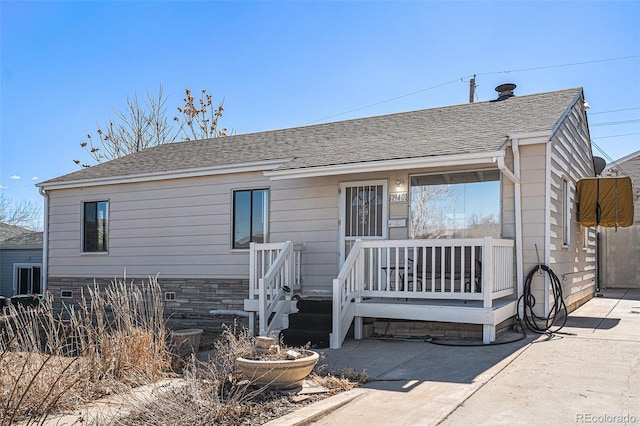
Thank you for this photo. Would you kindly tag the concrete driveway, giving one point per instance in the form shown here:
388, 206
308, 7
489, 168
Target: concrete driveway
589, 375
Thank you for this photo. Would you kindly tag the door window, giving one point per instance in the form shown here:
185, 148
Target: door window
27, 279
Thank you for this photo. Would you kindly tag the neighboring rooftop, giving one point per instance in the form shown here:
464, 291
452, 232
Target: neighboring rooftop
467, 128
17, 235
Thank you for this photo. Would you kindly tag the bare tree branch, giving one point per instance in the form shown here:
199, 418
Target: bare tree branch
430, 211
144, 126
22, 213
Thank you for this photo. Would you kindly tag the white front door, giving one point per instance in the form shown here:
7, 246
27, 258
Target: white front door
364, 208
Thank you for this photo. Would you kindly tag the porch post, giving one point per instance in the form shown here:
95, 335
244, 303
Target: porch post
487, 272
335, 340
488, 330
359, 282
252, 286
262, 307
488, 333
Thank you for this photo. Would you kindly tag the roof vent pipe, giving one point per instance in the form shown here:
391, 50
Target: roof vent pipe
505, 91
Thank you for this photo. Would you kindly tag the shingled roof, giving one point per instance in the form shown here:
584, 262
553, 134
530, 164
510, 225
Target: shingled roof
12, 235
468, 128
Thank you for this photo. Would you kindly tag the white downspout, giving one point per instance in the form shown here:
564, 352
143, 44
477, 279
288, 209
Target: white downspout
45, 242
515, 178
518, 201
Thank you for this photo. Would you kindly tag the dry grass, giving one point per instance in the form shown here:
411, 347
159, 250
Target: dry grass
214, 392
55, 362
116, 340
339, 380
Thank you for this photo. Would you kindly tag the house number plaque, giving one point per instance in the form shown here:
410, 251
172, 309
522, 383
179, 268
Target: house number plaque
399, 197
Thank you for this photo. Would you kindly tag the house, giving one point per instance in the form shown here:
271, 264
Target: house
20, 260
431, 215
618, 245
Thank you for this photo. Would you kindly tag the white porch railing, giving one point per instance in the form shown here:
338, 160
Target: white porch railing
480, 269
274, 274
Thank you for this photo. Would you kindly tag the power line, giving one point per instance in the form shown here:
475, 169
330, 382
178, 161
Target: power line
561, 65
614, 110
614, 123
618, 136
608, 158
469, 76
384, 101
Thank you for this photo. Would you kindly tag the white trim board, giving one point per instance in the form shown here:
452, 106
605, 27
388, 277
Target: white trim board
386, 165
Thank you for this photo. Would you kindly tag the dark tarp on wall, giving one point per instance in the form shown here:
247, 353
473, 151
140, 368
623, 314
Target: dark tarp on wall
606, 201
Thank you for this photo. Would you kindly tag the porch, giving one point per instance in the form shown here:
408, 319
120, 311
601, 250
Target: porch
444, 280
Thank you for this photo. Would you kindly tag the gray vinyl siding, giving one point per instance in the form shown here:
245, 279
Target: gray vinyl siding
306, 211
176, 228
571, 159
9, 257
533, 178
182, 228
533, 172
507, 199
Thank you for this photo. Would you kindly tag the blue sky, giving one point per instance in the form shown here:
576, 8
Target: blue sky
65, 66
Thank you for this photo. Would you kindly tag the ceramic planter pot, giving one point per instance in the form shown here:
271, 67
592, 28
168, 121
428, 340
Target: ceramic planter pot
282, 374
186, 341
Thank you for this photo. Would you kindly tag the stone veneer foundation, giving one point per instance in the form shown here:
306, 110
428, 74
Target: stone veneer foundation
191, 307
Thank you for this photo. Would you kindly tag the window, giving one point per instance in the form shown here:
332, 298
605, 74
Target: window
456, 205
95, 226
27, 278
250, 217
566, 213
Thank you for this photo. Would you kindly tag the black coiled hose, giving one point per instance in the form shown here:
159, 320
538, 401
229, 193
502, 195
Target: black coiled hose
558, 311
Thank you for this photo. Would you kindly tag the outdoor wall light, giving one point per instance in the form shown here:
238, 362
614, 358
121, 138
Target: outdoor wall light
399, 183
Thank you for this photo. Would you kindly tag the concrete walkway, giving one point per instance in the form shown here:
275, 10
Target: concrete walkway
589, 376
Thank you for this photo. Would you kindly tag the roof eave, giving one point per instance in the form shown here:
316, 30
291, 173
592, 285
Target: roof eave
257, 166
619, 161
29, 246
479, 158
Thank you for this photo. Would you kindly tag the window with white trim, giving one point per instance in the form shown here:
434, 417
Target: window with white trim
27, 278
250, 217
95, 226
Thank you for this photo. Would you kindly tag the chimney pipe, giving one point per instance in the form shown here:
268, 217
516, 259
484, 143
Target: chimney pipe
505, 91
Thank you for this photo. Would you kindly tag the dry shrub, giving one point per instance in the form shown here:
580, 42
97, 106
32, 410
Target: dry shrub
214, 392
211, 392
39, 383
53, 362
339, 380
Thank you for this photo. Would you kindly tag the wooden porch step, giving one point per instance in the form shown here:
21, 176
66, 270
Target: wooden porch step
310, 321
312, 324
315, 306
316, 339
